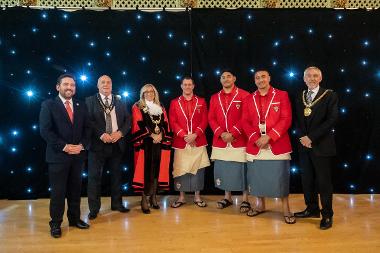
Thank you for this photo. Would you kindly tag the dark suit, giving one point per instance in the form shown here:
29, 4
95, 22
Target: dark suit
102, 153
64, 170
316, 162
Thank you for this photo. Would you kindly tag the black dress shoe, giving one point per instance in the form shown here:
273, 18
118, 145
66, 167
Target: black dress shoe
121, 209
326, 223
79, 224
153, 204
92, 216
308, 214
55, 231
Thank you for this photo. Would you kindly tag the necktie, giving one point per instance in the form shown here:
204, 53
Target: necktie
108, 118
309, 97
69, 110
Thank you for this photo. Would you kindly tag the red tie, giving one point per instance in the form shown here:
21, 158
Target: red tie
69, 111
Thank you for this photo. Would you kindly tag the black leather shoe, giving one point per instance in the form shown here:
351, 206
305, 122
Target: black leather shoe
308, 214
121, 209
326, 223
92, 216
79, 224
55, 231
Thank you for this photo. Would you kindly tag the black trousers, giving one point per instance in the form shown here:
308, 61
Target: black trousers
65, 182
316, 177
111, 157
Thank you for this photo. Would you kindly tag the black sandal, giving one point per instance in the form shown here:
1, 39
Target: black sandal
290, 219
245, 206
223, 203
177, 204
200, 203
254, 212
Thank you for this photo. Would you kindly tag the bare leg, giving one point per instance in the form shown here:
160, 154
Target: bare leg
197, 196
288, 216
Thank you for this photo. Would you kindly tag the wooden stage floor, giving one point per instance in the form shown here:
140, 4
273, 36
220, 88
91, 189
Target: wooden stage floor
24, 228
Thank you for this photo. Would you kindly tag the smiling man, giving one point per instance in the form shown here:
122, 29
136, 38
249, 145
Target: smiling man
317, 114
65, 127
188, 121
110, 122
229, 141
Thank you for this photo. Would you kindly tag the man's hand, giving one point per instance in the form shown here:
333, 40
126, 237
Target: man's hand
263, 141
190, 138
305, 141
115, 136
73, 149
227, 137
106, 138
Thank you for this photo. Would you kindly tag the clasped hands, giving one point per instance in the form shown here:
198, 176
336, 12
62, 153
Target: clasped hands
227, 137
190, 139
263, 142
157, 138
72, 149
111, 138
305, 141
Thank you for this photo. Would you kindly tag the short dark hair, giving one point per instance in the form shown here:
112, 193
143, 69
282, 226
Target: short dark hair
187, 78
59, 79
227, 70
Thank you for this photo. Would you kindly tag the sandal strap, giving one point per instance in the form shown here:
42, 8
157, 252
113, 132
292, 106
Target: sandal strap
245, 204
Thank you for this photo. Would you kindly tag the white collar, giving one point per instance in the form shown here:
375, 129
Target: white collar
64, 99
315, 90
103, 97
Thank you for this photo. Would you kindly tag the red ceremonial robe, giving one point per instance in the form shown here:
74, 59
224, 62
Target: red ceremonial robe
142, 129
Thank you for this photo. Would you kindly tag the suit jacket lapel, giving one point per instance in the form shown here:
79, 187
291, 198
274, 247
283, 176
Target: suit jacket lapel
98, 109
316, 106
118, 108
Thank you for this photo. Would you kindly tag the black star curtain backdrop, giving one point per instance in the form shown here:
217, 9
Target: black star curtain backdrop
136, 47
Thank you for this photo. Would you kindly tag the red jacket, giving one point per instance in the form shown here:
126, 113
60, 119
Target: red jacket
181, 125
278, 119
229, 120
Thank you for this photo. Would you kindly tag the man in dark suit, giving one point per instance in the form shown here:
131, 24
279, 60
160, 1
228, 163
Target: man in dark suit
64, 125
110, 122
317, 114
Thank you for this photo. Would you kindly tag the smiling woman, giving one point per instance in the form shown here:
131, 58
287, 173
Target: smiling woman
151, 139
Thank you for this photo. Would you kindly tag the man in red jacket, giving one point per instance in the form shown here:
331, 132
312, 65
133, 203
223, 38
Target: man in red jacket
229, 141
267, 116
188, 121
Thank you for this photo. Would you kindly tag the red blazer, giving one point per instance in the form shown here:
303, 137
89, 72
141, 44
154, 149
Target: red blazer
182, 126
278, 120
227, 121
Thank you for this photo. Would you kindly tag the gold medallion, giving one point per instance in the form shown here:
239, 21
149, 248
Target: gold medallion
307, 111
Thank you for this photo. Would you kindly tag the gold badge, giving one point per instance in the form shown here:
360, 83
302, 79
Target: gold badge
307, 111
238, 106
275, 108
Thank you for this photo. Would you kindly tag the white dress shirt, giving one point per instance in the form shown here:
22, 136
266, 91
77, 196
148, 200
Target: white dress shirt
64, 102
113, 112
315, 92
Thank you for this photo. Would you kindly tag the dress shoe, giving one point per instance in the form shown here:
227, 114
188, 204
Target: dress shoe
79, 224
308, 214
92, 216
55, 231
326, 223
121, 209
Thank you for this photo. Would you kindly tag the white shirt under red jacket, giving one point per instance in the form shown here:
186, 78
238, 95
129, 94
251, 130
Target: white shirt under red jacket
225, 116
273, 110
186, 117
